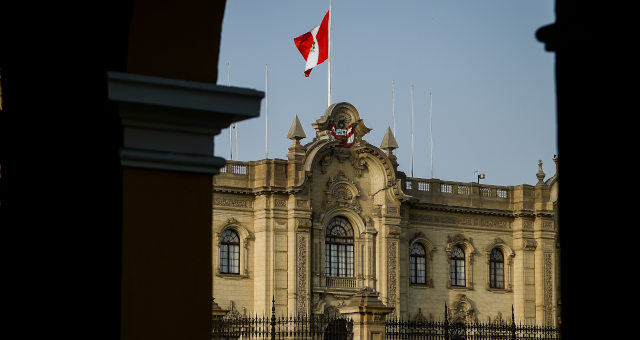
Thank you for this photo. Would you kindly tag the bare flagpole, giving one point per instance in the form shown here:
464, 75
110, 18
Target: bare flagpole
329, 51
393, 104
411, 130
232, 125
431, 133
266, 106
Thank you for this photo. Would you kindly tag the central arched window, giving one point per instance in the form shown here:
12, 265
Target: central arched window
457, 267
496, 269
417, 264
339, 248
229, 252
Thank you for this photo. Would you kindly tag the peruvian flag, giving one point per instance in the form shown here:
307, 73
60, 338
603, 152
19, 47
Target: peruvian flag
314, 45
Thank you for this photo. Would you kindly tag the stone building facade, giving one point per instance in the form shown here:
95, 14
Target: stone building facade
337, 216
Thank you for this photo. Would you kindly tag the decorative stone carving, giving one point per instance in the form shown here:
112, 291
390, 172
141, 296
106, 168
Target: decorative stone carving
341, 112
234, 203
393, 211
324, 162
458, 238
480, 222
462, 310
548, 288
317, 303
303, 224
392, 284
342, 193
419, 316
358, 164
529, 244
497, 320
301, 270
233, 313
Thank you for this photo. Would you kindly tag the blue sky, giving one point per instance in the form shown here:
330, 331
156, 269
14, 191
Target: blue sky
492, 82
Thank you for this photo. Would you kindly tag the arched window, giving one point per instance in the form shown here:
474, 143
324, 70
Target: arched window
457, 269
496, 269
229, 252
339, 248
417, 264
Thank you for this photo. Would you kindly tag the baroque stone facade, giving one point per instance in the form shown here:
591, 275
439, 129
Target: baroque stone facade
337, 216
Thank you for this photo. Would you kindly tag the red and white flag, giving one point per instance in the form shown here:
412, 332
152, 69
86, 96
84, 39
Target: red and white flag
314, 45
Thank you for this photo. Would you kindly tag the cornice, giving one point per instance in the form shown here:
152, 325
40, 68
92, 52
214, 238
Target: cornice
460, 209
232, 190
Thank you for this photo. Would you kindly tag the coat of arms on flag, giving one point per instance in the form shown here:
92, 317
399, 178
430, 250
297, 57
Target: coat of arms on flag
343, 133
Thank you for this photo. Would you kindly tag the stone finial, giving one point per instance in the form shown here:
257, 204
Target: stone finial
296, 132
540, 173
388, 141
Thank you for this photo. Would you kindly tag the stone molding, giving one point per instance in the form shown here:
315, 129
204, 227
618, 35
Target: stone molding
169, 124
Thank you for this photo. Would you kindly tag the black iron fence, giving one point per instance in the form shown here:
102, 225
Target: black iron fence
318, 327
299, 327
446, 330
403, 329
339, 327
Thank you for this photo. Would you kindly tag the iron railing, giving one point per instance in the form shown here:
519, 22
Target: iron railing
292, 327
446, 330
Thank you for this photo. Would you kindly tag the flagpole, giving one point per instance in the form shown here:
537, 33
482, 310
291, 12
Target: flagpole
329, 80
411, 130
232, 124
393, 102
431, 133
266, 121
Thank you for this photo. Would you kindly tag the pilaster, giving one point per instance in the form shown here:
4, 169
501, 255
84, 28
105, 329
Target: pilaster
299, 299
544, 235
392, 269
524, 264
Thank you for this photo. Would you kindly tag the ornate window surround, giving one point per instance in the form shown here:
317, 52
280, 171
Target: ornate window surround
429, 249
469, 250
508, 254
245, 236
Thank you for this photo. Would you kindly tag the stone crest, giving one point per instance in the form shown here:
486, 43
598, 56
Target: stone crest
341, 122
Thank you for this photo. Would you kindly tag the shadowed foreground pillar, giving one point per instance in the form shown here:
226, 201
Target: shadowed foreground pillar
167, 163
